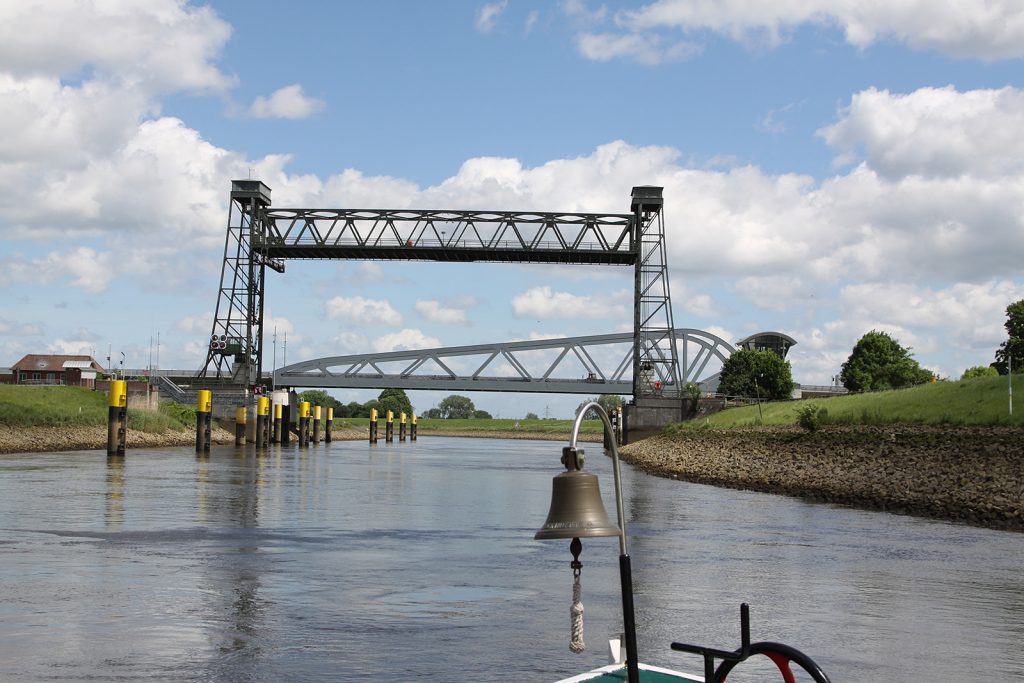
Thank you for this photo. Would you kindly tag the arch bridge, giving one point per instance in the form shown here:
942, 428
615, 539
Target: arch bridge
572, 365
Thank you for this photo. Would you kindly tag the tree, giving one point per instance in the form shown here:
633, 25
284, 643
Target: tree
481, 415
878, 362
1011, 351
609, 402
756, 374
319, 397
432, 414
456, 407
531, 416
979, 371
394, 400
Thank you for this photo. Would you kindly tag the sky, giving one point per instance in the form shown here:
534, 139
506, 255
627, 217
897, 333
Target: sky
831, 167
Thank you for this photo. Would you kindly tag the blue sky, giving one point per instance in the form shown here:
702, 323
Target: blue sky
830, 167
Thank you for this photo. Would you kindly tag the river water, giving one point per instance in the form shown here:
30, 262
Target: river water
416, 561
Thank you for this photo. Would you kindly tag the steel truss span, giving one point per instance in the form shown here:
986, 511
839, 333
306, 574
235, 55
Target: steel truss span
599, 364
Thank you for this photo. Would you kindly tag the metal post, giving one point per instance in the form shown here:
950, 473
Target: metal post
204, 409
117, 417
625, 569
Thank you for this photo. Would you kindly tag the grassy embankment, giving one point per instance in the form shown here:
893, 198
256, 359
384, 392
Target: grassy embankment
981, 401
553, 427
28, 406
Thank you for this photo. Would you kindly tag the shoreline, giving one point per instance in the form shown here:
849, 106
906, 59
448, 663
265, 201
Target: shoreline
971, 475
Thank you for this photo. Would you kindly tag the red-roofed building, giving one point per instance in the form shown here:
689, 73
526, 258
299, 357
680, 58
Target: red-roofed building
76, 371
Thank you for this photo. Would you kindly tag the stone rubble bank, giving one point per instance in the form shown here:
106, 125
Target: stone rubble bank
973, 475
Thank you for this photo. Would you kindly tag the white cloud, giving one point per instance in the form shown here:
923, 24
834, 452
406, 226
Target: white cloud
433, 311
348, 343
362, 311
542, 303
934, 132
531, 20
992, 30
19, 329
487, 16
643, 48
405, 340
289, 102
86, 269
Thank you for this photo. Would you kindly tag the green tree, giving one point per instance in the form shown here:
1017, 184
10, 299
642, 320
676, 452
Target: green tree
394, 400
878, 362
456, 407
979, 371
481, 415
609, 402
756, 374
319, 397
531, 416
432, 414
1011, 351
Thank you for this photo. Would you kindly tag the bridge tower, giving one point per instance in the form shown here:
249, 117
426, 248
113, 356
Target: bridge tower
655, 357
235, 353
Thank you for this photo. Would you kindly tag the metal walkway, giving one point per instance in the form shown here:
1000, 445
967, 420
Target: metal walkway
599, 364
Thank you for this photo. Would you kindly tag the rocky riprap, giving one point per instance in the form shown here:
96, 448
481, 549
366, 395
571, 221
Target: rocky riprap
968, 474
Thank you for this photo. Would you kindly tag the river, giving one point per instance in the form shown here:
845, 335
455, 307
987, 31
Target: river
416, 561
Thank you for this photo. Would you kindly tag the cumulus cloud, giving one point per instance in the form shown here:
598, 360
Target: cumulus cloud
435, 312
289, 102
362, 311
83, 267
958, 28
934, 132
405, 340
542, 303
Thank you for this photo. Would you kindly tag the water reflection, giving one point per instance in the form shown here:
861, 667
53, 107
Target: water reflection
114, 511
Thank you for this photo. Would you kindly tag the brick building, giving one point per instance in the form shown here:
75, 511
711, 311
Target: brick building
76, 371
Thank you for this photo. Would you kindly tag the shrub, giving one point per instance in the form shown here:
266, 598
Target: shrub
809, 417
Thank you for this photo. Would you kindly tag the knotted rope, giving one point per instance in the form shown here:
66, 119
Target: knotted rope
576, 644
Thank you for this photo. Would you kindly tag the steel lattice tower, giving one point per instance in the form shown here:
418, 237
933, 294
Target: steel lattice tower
655, 359
235, 354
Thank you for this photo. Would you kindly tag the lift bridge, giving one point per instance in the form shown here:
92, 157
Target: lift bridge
260, 236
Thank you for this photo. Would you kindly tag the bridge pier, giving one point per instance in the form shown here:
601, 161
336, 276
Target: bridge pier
648, 415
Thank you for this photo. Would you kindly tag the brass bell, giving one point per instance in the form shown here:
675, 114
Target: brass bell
577, 510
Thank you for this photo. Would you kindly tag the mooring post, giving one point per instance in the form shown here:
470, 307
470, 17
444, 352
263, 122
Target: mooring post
316, 424
117, 417
401, 426
262, 417
204, 411
373, 425
412, 428
304, 424
241, 412
277, 423
328, 425
389, 428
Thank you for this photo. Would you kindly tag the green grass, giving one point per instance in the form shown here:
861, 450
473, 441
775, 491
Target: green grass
978, 401
545, 426
25, 406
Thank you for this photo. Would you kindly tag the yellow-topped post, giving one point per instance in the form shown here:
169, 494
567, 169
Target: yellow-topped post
389, 428
316, 424
401, 426
278, 416
262, 421
241, 415
328, 424
412, 428
204, 416
117, 417
373, 425
303, 423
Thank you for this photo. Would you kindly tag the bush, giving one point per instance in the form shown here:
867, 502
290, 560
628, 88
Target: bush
809, 417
